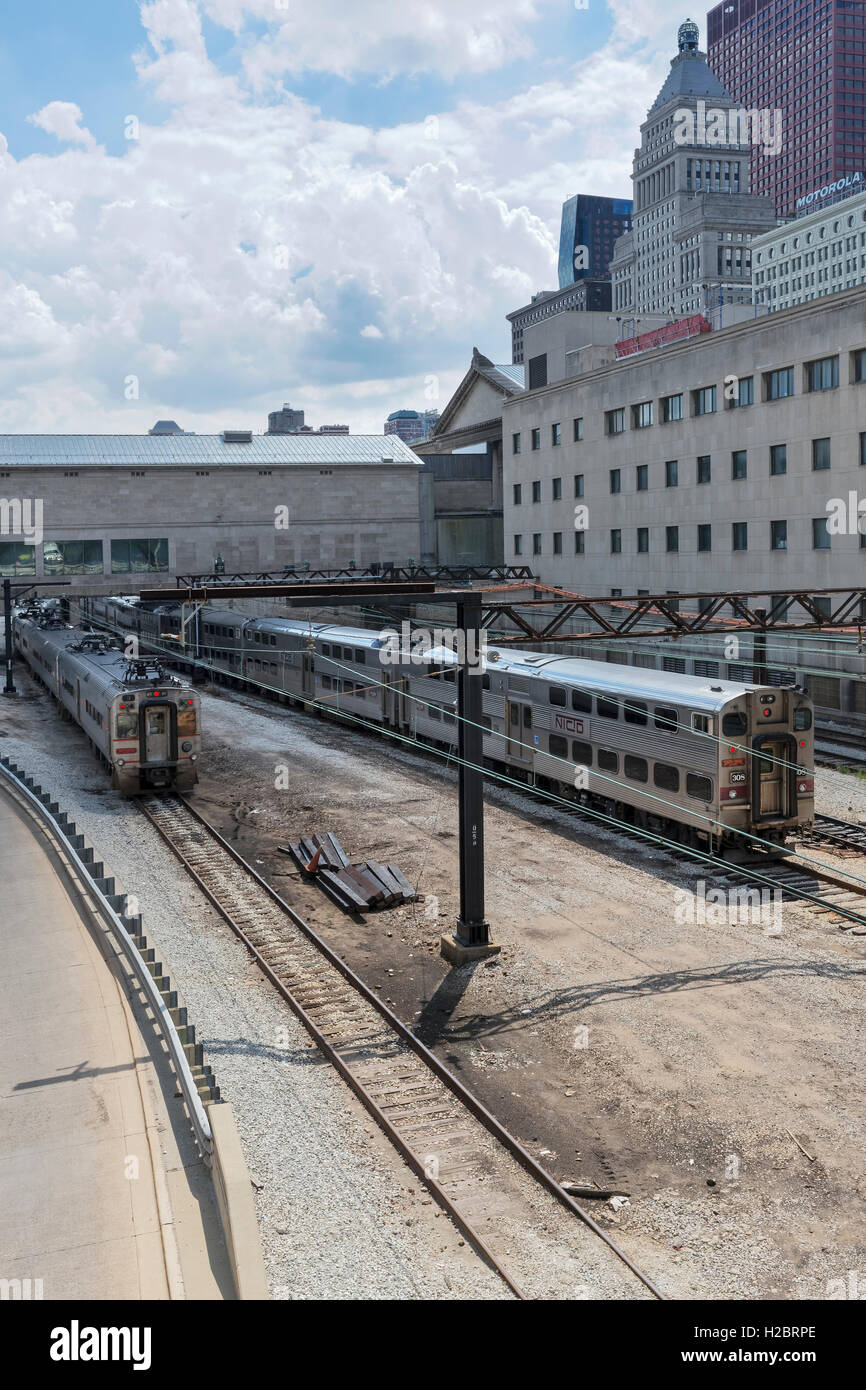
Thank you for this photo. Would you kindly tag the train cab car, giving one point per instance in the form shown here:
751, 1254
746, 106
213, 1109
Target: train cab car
144, 723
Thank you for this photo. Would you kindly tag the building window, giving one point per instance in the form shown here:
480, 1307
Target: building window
778, 385
536, 543
579, 542
820, 534
614, 421
642, 540
858, 362
557, 489
139, 556
738, 464
578, 484
672, 408
518, 545
616, 542
704, 468
72, 557
538, 371
671, 473
863, 450
820, 455
705, 536
556, 434
745, 392
778, 535
536, 440
536, 490
557, 542
615, 480
778, 459
822, 375
16, 559
578, 429
642, 477
740, 535
518, 494
672, 538
515, 444
704, 401
642, 415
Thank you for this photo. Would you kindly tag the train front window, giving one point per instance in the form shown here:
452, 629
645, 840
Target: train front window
185, 720
127, 723
802, 718
733, 724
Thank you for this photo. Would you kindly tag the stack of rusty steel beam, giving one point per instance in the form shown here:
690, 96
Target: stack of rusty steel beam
364, 887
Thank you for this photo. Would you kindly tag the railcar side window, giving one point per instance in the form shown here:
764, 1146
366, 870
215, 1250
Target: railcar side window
666, 777
634, 713
666, 718
733, 724
485, 682
487, 721
701, 788
556, 695
581, 702
527, 716
702, 724
185, 720
434, 712
802, 718
581, 753
607, 761
558, 746
608, 709
635, 768
326, 647
360, 655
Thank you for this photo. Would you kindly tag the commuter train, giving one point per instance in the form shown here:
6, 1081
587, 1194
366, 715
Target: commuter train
706, 762
145, 724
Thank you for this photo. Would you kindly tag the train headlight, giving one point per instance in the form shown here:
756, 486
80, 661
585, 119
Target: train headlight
193, 757
186, 745
121, 762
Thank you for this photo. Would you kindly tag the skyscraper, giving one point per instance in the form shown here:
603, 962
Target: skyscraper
694, 216
589, 228
807, 60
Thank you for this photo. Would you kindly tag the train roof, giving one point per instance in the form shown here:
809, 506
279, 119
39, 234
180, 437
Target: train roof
111, 666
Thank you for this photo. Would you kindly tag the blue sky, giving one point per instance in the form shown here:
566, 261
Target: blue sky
326, 203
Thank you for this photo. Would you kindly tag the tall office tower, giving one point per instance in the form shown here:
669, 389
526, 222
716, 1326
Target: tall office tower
694, 216
588, 230
807, 60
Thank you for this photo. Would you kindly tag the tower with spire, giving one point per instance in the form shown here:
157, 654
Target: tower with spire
694, 216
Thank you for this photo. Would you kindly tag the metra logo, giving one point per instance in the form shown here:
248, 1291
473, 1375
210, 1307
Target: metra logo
568, 724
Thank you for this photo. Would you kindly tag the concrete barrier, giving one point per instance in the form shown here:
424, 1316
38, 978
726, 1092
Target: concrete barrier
236, 1206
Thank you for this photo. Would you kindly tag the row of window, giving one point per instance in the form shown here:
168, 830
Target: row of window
819, 375
821, 538
636, 769
93, 713
84, 557
777, 458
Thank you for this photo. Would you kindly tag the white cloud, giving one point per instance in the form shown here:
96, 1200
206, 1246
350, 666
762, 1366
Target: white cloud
371, 331
63, 120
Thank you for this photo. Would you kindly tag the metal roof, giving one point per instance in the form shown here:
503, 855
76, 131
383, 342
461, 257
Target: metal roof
162, 450
690, 76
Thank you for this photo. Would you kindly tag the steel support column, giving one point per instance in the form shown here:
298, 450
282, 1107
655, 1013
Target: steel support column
472, 930
9, 687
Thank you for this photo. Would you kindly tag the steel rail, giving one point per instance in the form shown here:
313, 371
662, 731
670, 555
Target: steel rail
466, 1098
111, 918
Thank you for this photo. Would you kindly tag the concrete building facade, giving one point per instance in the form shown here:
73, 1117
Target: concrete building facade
694, 216
714, 464
811, 256
114, 510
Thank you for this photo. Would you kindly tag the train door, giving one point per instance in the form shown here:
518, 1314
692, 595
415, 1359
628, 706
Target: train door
78, 702
307, 674
391, 699
774, 773
158, 733
518, 724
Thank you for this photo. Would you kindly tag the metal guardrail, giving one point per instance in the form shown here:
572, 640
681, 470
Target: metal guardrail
72, 843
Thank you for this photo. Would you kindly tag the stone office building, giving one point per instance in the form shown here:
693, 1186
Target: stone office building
718, 463
113, 511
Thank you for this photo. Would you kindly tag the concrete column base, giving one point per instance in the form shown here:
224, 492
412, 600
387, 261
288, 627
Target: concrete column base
460, 952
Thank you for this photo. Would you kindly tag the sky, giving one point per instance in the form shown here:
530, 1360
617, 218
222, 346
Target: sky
210, 207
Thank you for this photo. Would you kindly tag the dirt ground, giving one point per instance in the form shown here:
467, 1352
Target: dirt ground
628, 1048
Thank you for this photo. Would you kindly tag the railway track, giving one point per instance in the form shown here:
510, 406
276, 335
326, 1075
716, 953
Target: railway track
840, 833
508, 1206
